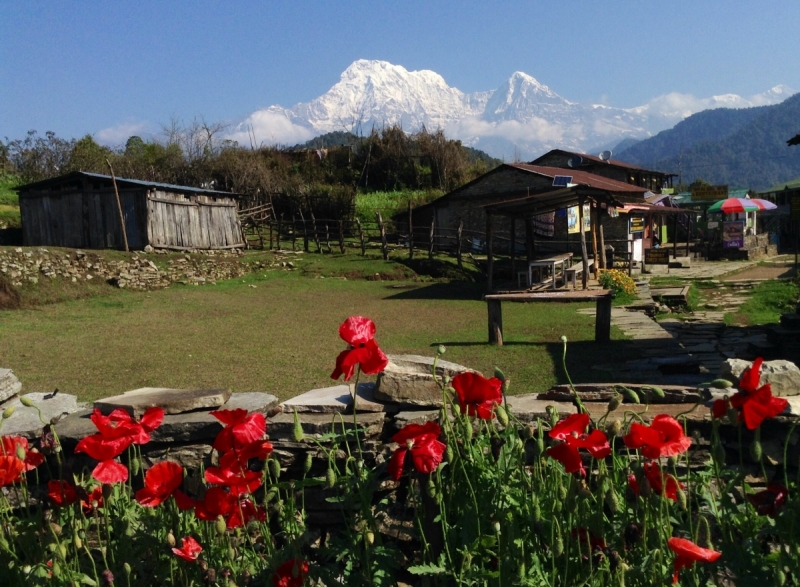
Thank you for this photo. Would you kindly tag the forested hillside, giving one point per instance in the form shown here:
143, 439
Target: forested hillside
742, 148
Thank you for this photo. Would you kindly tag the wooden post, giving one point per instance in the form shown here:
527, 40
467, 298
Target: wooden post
294, 234
316, 233
361, 238
430, 243
119, 208
630, 255
489, 253
495, 311
410, 233
675, 240
270, 235
341, 236
688, 232
513, 247
602, 323
458, 244
384, 245
305, 232
593, 227
278, 233
603, 259
328, 237
584, 253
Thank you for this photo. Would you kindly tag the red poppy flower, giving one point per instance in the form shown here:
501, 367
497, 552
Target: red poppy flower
719, 408
240, 428
663, 438
237, 479
216, 502
476, 395
189, 549
292, 573
106, 450
93, 500
160, 482
13, 445
359, 333
11, 469
239, 457
119, 424
61, 493
756, 404
572, 432
769, 501
586, 537
688, 554
422, 441
664, 485
183, 501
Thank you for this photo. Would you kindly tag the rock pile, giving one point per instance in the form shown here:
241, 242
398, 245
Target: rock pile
139, 272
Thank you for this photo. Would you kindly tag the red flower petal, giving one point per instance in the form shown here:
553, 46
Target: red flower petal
357, 330
663, 438
189, 549
688, 553
750, 378
412, 431
596, 443
427, 455
719, 408
183, 501
161, 481
396, 463
574, 424
230, 417
110, 471
10, 469
477, 395
568, 456
61, 493
101, 448
292, 573
152, 418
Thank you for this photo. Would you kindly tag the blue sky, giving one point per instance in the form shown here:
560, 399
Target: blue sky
80, 67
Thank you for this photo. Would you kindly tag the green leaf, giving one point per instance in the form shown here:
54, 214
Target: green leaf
426, 570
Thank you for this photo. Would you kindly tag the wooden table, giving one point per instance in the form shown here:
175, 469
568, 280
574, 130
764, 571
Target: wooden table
603, 297
564, 259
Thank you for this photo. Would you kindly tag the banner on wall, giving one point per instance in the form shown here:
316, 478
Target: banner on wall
733, 234
573, 219
636, 224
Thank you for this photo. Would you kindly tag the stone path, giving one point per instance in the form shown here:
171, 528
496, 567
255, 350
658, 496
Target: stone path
688, 351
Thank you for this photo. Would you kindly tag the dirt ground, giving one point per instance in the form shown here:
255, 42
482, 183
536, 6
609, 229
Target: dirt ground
769, 271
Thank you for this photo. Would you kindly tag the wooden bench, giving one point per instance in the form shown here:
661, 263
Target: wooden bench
571, 275
603, 297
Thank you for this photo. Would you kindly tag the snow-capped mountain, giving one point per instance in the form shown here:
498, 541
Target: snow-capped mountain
520, 119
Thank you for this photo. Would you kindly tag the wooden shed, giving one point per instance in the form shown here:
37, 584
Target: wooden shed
80, 210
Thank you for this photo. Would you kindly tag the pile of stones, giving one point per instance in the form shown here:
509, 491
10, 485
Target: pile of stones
20, 266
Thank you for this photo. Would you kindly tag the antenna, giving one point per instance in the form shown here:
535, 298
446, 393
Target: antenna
575, 162
605, 155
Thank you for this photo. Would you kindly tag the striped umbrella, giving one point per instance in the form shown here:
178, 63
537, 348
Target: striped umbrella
764, 204
735, 206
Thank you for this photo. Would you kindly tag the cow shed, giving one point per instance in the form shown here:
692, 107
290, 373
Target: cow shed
80, 210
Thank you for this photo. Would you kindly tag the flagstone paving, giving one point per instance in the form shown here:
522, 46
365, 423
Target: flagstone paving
687, 350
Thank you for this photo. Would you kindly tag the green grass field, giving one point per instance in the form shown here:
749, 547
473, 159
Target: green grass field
769, 300
277, 332
9, 202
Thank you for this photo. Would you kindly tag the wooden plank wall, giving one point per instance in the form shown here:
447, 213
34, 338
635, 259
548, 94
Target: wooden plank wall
197, 222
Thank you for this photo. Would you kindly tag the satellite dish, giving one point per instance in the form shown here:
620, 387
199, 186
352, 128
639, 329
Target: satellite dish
605, 155
575, 162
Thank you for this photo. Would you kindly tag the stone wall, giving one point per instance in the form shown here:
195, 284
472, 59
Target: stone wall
137, 271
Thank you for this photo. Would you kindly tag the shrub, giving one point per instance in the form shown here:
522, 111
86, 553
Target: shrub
617, 280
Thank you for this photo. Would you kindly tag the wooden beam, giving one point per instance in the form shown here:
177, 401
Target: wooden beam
489, 253
584, 253
495, 312
513, 247
593, 226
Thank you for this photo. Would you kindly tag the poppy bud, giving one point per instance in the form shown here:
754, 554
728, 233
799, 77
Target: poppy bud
522, 571
20, 452
499, 374
672, 461
780, 578
614, 428
77, 542
62, 551
171, 539
431, 488
612, 501
631, 395
496, 527
583, 491
718, 454
562, 491
703, 537
27, 402
455, 409
307, 465
441, 349
563, 339
755, 450
552, 412
720, 384
449, 453
468, 429
108, 491
231, 553
682, 499
275, 467
297, 430
127, 568
330, 478
502, 415
446, 379
657, 391
537, 511
645, 490
220, 526
539, 446
55, 528
8, 412
136, 466
614, 402
732, 415
558, 543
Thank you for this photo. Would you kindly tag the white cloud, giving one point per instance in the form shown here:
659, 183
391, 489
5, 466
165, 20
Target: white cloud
534, 129
114, 136
270, 128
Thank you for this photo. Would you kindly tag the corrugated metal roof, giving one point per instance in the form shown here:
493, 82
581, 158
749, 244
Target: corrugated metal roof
123, 180
582, 178
594, 159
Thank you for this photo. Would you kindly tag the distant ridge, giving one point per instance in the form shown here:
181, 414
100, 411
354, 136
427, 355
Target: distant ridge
743, 148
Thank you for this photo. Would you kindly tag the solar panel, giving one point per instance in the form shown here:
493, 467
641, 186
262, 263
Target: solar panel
562, 181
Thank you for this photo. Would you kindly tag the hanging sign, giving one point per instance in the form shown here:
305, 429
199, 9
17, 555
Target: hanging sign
572, 220
709, 192
733, 234
636, 224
